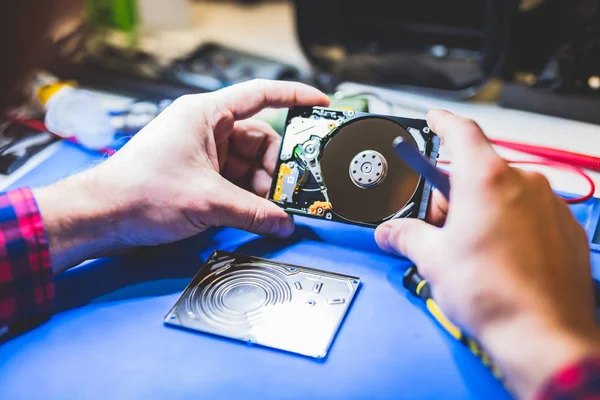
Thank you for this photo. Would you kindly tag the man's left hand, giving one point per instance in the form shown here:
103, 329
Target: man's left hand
200, 163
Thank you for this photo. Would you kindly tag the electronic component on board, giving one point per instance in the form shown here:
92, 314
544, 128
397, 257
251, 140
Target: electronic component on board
340, 165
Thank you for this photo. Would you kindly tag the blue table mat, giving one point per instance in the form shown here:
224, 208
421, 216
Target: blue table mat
107, 339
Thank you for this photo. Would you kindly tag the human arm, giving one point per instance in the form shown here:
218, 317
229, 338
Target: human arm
512, 265
200, 163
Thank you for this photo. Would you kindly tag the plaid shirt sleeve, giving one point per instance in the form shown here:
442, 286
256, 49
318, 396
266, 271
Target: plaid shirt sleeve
576, 382
26, 284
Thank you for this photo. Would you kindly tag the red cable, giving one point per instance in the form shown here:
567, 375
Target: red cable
558, 165
31, 123
566, 167
562, 156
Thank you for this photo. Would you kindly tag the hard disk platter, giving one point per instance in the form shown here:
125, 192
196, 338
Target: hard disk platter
340, 165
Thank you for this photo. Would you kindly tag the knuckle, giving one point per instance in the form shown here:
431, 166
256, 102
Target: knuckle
496, 172
471, 129
471, 125
257, 219
539, 180
187, 106
265, 127
258, 83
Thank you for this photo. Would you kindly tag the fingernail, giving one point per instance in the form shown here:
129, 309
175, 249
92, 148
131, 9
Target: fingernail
286, 227
381, 236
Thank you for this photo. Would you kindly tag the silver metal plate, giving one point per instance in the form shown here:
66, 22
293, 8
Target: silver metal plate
289, 183
367, 169
284, 306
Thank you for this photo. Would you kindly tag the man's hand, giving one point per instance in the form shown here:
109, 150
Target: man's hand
200, 163
510, 264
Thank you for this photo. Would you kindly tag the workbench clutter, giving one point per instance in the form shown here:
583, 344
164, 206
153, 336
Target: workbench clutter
275, 239
73, 113
79, 115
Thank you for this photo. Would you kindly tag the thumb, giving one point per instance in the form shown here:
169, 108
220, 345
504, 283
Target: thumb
409, 237
238, 208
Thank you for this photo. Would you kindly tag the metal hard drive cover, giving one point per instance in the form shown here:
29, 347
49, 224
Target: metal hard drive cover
278, 305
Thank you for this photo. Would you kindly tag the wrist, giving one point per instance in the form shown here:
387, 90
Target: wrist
78, 223
530, 352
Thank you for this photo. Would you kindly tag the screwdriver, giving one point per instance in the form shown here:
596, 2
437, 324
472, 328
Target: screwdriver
414, 282
421, 165
419, 287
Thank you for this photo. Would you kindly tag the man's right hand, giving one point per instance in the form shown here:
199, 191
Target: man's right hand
510, 264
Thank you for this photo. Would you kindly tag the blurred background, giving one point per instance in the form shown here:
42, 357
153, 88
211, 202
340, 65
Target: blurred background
453, 49
510, 64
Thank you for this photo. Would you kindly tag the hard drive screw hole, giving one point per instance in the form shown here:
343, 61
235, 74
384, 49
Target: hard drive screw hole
354, 171
355, 282
378, 174
356, 162
379, 165
292, 268
360, 179
370, 180
373, 156
426, 130
364, 155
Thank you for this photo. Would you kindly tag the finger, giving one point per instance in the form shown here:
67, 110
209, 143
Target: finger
248, 98
248, 175
222, 154
241, 209
257, 140
438, 209
465, 141
260, 182
407, 236
238, 169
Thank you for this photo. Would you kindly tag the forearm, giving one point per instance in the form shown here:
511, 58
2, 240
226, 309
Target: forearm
79, 224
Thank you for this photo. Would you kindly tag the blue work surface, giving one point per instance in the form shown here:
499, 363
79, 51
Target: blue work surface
108, 341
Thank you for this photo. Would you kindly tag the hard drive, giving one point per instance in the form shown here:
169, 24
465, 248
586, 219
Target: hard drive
283, 306
340, 165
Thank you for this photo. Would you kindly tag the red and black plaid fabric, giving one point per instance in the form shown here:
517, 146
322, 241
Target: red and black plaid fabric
26, 284
577, 382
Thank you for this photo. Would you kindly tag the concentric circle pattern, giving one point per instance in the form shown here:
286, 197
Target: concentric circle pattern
233, 297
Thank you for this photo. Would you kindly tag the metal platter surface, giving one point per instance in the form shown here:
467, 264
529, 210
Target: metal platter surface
366, 181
